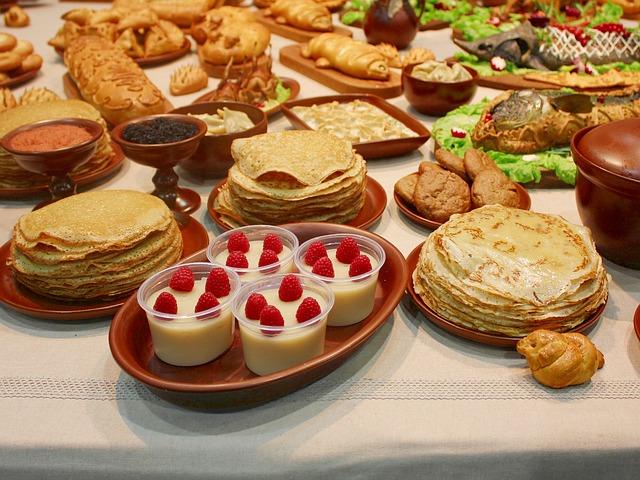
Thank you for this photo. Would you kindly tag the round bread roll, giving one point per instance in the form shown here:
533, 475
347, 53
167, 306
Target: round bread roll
24, 48
7, 42
32, 62
9, 61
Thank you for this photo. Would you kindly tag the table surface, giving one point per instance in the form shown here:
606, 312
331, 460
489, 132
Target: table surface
415, 401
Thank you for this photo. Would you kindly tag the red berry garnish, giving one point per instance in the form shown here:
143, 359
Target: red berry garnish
255, 303
166, 303
218, 283
238, 242
290, 289
361, 264
271, 316
237, 260
182, 280
324, 267
572, 11
347, 250
315, 251
308, 309
267, 258
206, 301
488, 117
272, 242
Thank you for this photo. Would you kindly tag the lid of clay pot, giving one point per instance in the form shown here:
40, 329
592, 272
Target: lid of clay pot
614, 147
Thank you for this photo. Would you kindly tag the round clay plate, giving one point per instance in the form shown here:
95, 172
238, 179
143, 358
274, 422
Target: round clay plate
492, 339
636, 322
289, 83
20, 79
19, 298
375, 201
410, 212
87, 178
226, 382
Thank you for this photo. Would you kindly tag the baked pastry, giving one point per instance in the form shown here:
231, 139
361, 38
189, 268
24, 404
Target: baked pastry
475, 161
440, 193
390, 52
451, 162
303, 14
188, 79
358, 59
417, 55
181, 12
23, 48
38, 95
111, 81
7, 42
29, 63
405, 187
7, 100
16, 17
16, 57
559, 360
492, 186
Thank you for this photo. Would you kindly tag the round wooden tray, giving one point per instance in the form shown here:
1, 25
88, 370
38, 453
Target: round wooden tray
375, 201
495, 340
226, 382
19, 79
19, 298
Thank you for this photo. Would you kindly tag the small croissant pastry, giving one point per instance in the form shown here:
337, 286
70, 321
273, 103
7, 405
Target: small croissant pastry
558, 360
188, 79
7, 100
16, 17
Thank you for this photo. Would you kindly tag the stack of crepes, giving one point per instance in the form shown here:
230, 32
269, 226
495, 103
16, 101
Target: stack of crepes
509, 271
94, 245
292, 176
12, 175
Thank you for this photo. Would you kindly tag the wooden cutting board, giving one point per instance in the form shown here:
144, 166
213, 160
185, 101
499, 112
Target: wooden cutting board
291, 57
294, 33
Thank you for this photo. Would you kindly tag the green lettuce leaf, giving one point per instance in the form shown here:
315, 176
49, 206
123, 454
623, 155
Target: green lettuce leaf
282, 95
607, 13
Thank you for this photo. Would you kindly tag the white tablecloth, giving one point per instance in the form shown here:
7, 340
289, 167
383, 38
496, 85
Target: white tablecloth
414, 402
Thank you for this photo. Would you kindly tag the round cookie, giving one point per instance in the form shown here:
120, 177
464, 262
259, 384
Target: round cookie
491, 187
451, 162
406, 186
476, 161
7, 42
440, 193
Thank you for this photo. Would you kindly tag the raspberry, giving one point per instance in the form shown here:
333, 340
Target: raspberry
218, 283
237, 260
206, 301
361, 264
238, 242
166, 303
308, 309
324, 267
290, 289
182, 280
347, 250
272, 242
255, 303
315, 251
272, 317
267, 258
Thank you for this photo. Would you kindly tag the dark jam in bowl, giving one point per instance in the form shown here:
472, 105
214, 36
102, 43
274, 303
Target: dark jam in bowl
159, 130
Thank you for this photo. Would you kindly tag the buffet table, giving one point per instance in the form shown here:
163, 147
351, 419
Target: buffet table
415, 401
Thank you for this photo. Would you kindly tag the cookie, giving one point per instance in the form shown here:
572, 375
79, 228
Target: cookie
475, 161
32, 62
451, 162
24, 48
405, 187
493, 187
9, 61
440, 193
7, 42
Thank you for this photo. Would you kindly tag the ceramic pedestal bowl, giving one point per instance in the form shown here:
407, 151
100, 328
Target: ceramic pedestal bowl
58, 163
163, 157
213, 156
608, 187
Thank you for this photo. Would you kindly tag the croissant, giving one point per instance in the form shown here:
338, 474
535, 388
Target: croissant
304, 14
558, 360
349, 56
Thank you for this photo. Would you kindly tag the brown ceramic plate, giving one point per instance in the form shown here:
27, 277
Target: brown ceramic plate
636, 322
289, 83
410, 212
369, 150
19, 298
375, 201
492, 339
87, 178
19, 79
226, 382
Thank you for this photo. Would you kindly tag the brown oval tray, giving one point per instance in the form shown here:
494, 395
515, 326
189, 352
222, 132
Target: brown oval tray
226, 382
106, 170
375, 201
410, 212
21, 299
294, 33
369, 150
636, 322
493, 339
19, 79
289, 83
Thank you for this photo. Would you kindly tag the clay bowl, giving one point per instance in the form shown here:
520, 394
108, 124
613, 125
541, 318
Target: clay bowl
58, 162
608, 188
437, 98
213, 156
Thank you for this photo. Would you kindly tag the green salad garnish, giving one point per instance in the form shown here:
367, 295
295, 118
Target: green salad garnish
282, 95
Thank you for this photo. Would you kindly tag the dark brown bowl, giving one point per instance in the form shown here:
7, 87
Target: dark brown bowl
160, 155
437, 98
608, 188
57, 162
213, 156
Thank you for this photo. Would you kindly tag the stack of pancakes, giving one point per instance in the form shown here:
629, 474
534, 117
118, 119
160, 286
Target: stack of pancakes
292, 176
94, 245
509, 271
12, 175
